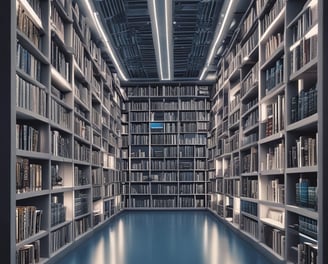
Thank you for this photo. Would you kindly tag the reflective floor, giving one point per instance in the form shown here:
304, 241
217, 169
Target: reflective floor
165, 237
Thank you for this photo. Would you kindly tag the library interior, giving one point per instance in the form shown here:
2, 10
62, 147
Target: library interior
115, 111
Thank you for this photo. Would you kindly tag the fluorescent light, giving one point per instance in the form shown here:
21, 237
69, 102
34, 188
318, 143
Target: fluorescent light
157, 37
94, 16
218, 38
161, 27
167, 40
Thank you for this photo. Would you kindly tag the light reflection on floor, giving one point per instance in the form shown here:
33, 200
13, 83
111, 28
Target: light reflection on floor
165, 237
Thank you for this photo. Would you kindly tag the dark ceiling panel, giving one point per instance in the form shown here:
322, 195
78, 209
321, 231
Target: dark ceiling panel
128, 24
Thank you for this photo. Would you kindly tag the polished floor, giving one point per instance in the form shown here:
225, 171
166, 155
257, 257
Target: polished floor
165, 237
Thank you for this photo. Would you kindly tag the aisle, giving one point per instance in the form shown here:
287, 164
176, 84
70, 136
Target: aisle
165, 237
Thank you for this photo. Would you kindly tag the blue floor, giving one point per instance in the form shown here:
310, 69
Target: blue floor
165, 237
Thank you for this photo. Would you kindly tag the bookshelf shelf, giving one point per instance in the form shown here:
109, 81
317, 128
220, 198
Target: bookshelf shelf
274, 92
278, 53
304, 169
273, 223
41, 234
32, 14
274, 137
308, 212
53, 228
308, 71
276, 23
304, 124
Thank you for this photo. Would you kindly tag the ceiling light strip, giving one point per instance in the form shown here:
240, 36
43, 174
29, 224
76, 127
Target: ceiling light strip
167, 40
214, 47
107, 43
158, 40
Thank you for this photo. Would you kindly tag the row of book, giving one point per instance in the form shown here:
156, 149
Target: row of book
234, 118
275, 191
60, 237
250, 161
249, 139
96, 176
251, 119
27, 137
82, 128
81, 176
27, 62
82, 92
59, 114
249, 225
250, 104
303, 152
274, 76
144, 106
81, 151
274, 158
308, 226
58, 211
305, 194
82, 225
303, 104
160, 105
28, 175
305, 21
250, 81
249, 45
81, 202
275, 116
167, 176
272, 44
31, 97
248, 207
249, 20
61, 144
28, 222
57, 21
269, 17
96, 193
232, 187
235, 100
249, 187
165, 90
303, 53
110, 176
112, 190
275, 239
29, 253
307, 253
60, 61
26, 25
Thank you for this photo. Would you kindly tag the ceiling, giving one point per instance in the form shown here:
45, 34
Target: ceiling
191, 29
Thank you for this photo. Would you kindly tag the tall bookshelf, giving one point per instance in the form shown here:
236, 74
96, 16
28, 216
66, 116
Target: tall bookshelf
263, 138
68, 130
167, 146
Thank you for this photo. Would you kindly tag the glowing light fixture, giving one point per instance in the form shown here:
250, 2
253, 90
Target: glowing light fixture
96, 20
162, 30
222, 27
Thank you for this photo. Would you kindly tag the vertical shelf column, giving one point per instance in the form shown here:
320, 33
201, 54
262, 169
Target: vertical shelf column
7, 99
322, 128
